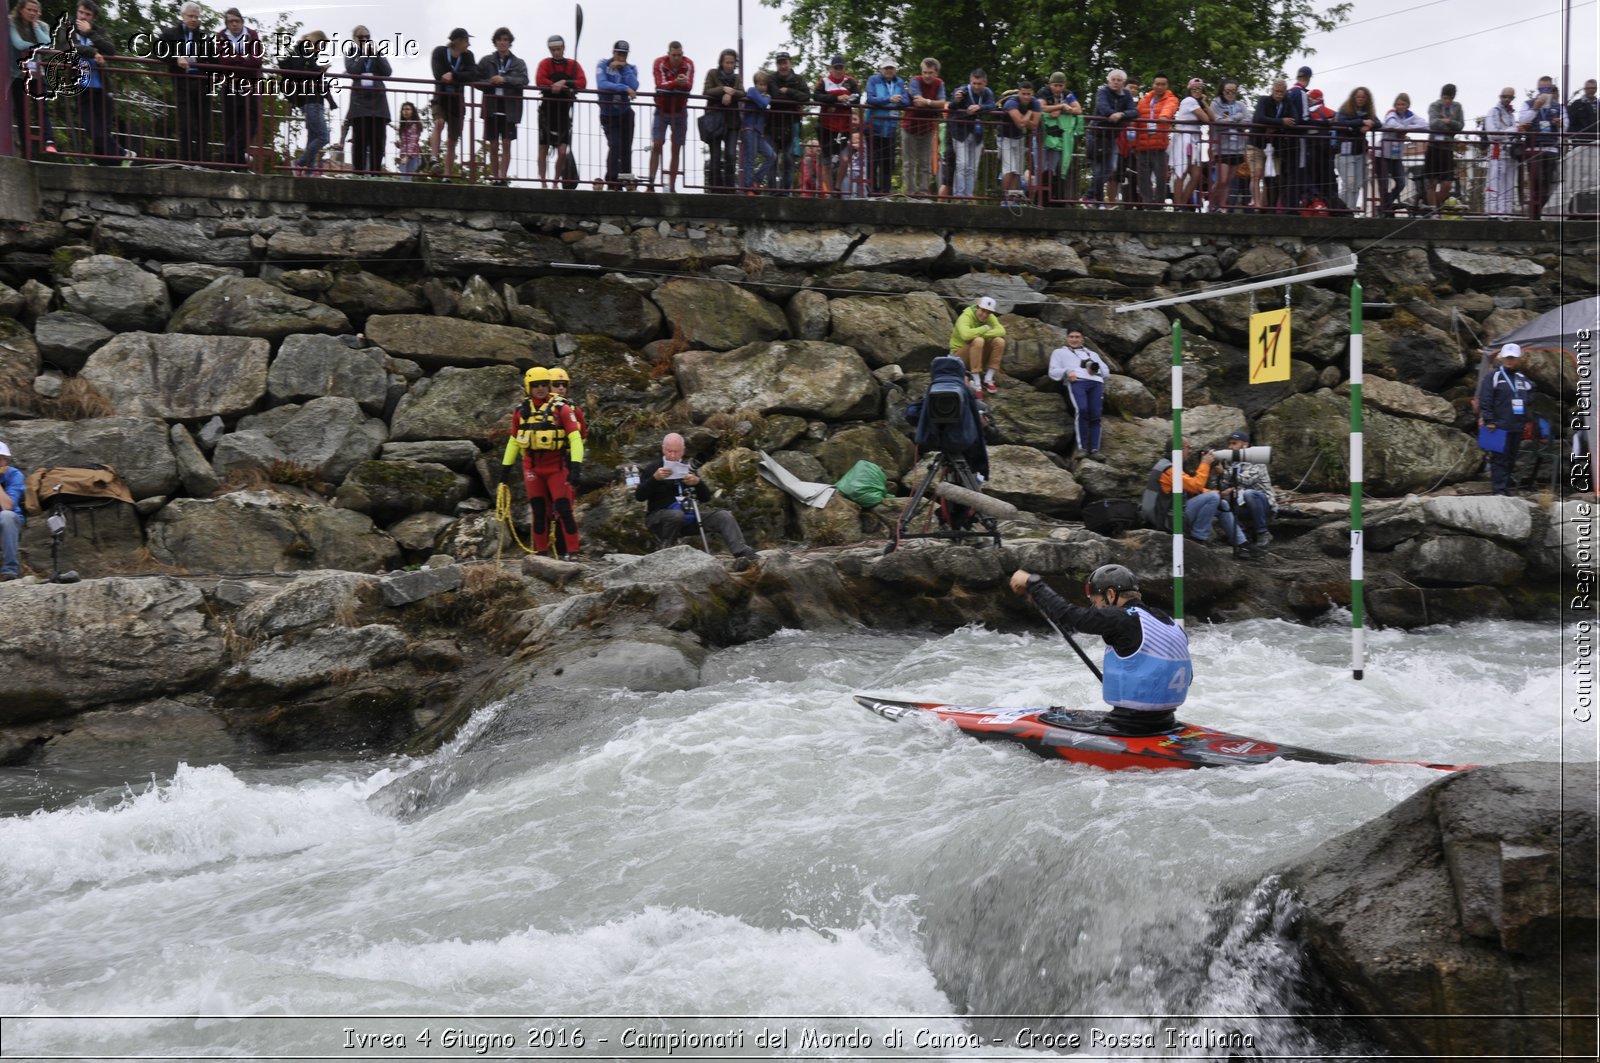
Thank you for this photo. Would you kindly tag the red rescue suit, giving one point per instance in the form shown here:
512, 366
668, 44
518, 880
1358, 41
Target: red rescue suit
549, 440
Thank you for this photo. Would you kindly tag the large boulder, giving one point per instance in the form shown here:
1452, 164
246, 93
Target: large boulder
1118, 335
1029, 480
288, 665
1403, 400
1413, 351
471, 404
1462, 923
717, 315
605, 305
1475, 269
329, 436
448, 248
1486, 516
180, 377
359, 295
799, 247
1009, 293
66, 647
1463, 560
117, 293
249, 306
139, 448
66, 340
309, 367
802, 377
437, 342
389, 490
911, 252
1310, 435
877, 443
1041, 255
311, 600
690, 251
909, 331
1028, 346
364, 239
266, 531
1031, 418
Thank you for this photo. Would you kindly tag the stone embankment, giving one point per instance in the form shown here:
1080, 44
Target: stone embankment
320, 380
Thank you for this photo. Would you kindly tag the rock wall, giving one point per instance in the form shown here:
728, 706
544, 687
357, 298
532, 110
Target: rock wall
303, 375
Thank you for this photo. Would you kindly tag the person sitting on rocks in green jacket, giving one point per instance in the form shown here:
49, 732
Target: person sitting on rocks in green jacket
979, 339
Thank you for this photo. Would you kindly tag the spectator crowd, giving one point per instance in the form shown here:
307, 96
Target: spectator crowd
1164, 143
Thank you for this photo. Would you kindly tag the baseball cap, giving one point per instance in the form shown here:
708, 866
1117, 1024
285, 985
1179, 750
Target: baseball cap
459, 34
1314, 94
837, 60
1058, 78
986, 303
889, 62
1510, 350
1303, 72
781, 55
1240, 435
556, 38
5, 451
621, 46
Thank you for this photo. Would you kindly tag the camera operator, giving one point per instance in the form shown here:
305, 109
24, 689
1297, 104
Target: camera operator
1247, 488
675, 498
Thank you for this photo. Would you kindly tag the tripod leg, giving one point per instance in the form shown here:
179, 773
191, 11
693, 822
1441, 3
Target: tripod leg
963, 475
909, 513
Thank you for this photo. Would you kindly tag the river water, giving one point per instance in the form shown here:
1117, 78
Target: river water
757, 867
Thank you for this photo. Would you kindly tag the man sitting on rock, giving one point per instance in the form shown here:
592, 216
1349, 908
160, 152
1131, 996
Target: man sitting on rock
1248, 486
11, 518
979, 339
675, 502
1203, 507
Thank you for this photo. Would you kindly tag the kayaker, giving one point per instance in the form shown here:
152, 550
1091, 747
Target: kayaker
1147, 666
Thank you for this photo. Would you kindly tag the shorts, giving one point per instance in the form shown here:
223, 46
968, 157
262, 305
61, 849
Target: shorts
497, 125
1258, 160
555, 123
452, 108
678, 123
1439, 162
834, 145
1013, 155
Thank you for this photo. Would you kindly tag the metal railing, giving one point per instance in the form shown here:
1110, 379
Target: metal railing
154, 115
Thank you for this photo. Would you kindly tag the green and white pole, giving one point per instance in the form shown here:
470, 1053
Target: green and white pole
1358, 610
1177, 471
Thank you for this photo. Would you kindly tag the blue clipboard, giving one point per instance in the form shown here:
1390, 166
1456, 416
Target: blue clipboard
1492, 439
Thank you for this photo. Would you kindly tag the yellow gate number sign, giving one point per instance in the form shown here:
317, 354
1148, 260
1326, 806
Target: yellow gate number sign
1269, 346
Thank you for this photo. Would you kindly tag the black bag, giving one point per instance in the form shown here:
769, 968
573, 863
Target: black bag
569, 172
1111, 516
710, 123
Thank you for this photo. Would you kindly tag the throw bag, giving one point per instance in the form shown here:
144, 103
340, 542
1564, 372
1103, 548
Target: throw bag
864, 484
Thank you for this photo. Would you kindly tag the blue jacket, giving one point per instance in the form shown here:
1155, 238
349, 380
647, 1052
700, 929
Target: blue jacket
1495, 396
883, 115
11, 481
753, 110
964, 126
614, 87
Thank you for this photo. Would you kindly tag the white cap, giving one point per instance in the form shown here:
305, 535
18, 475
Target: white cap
1510, 350
5, 451
986, 303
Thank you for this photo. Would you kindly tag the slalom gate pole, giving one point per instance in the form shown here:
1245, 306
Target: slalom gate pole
1357, 546
1177, 471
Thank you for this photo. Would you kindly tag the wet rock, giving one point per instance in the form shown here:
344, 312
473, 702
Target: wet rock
66, 340
602, 305
909, 331
1029, 480
117, 293
438, 342
469, 404
1462, 559
389, 490
717, 315
801, 377
247, 306
287, 666
266, 531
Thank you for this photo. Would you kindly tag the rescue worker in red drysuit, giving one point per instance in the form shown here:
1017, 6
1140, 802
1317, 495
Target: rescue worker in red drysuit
561, 388
548, 438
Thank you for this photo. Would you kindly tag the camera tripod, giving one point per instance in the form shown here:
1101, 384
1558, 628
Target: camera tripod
957, 504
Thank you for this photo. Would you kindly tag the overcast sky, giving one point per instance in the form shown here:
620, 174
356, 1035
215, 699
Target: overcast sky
1393, 46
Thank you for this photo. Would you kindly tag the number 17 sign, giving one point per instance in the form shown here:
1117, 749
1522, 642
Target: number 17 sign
1269, 346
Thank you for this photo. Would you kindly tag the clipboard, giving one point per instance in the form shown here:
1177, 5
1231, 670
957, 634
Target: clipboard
1492, 440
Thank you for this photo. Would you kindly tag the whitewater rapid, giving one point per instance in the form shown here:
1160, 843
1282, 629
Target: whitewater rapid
756, 855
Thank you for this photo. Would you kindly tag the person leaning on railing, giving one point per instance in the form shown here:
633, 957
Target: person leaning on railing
187, 49
96, 100
28, 33
1400, 120
368, 114
720, 126
1353, 122
1229, 116
1541, 118
1500, 187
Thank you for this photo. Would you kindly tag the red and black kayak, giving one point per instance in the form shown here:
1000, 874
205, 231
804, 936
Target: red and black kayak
1085, 737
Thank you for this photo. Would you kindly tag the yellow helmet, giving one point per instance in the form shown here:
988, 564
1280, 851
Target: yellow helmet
559, 376
537, 375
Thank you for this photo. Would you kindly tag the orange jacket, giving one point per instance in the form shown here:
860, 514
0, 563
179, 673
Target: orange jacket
1193, 483
1154, 126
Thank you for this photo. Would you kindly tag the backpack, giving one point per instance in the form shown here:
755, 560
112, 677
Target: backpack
76, 486
1111, 516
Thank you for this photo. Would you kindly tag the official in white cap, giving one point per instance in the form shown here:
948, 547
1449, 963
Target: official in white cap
11, 515
979, 339
1503, 398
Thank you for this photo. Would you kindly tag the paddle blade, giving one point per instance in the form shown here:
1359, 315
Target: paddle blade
577, 34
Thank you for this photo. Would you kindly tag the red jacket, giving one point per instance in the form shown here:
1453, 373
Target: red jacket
570, 71
670, 99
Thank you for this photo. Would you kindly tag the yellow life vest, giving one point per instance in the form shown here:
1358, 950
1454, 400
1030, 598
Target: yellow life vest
540, 428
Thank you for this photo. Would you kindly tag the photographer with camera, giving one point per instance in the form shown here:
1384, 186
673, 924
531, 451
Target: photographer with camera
1202, 507
675, 498
12, 492
1081, 374
1248, 487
